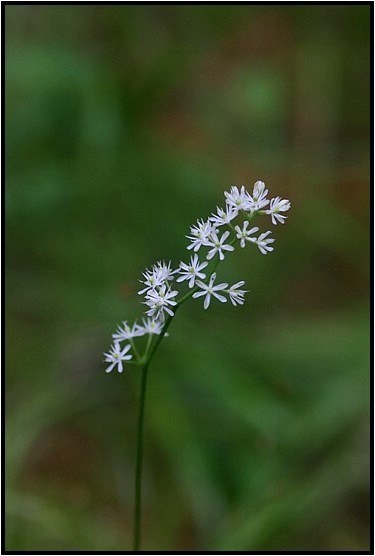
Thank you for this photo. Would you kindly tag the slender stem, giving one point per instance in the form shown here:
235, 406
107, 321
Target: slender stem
149, 341
132, 343
161, 336
138, 470
146, 359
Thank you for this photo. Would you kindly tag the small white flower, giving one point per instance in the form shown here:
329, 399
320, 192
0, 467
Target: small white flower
153, 278
159, 301
151, 326
263, 243
235, 295
258, 198
218, 245
259, 190
116, 356
278, 205
166, 271
238, 199
200, 234
244, 234
192, 271
209, 289
224, 216
126, 332
161, 272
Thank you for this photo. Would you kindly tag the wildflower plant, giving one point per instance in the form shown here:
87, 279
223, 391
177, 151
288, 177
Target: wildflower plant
211, 241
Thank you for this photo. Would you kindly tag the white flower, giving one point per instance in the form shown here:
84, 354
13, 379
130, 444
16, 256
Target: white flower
218, 245
161, 272
166, 271
263, 243
244, 234
200, 234
235, 295
278, 205
259, 190
258, 198
126, 332
151, 326
159, 301
153, 278
224, 216
115, 356
210, 289
238, 199
191, 271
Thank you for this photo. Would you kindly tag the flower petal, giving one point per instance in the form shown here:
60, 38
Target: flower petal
220, 297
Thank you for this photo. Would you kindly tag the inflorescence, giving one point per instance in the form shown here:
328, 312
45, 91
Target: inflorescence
214, 239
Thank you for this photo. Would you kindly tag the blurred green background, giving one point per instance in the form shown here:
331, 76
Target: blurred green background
124, 125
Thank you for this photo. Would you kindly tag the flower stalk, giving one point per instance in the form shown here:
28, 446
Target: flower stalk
161, 294
139, 462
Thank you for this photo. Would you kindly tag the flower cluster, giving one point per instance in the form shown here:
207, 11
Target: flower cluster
214, 238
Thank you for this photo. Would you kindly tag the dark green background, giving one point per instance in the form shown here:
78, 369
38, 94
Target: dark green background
124, 125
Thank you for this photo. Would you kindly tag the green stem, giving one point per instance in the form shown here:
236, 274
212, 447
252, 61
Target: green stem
138, 470
132, 343
161, 336
149, 354
149, 341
